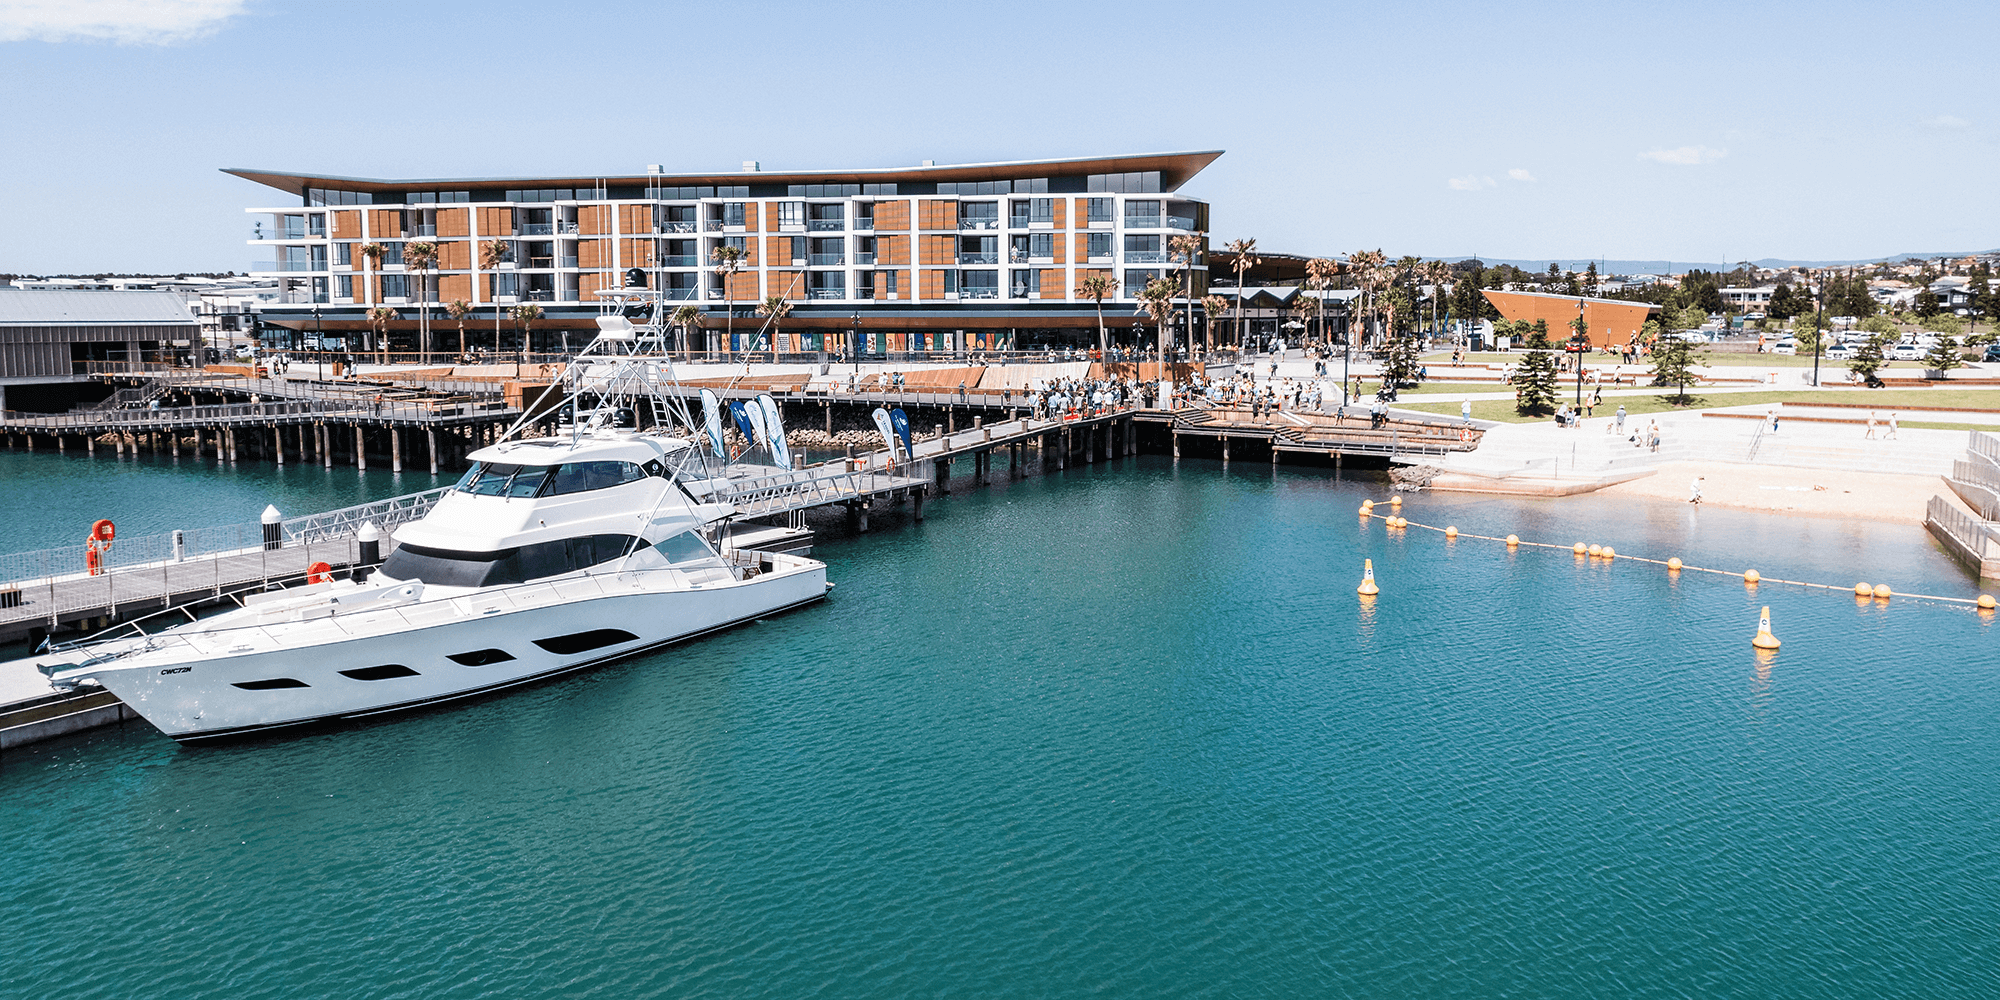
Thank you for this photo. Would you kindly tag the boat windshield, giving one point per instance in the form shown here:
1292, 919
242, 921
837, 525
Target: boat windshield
501, 479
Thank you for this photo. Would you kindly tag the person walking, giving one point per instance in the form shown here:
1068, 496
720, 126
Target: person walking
1620, 417
1694, 490
1891, 436
1870, 436
1465, 409
1774, 420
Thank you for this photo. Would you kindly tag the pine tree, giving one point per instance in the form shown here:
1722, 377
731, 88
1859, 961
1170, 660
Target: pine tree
1535, 376
1674, 361
1868, 359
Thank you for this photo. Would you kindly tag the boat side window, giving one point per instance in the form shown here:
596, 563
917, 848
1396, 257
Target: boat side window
444, 567
684, 547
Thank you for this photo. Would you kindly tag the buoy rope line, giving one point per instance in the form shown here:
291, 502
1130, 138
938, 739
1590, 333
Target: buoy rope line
1675, 565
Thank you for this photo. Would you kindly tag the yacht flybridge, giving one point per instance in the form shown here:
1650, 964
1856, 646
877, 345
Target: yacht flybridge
550, 555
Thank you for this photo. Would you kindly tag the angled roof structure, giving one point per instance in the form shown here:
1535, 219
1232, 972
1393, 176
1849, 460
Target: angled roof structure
1175, 170
70, 307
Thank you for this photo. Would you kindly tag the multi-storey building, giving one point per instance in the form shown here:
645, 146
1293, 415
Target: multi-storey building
955, 257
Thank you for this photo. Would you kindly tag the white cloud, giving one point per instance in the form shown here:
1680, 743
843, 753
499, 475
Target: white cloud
1470, 182
1520, 175
1946, 121
1685, 156
126, 22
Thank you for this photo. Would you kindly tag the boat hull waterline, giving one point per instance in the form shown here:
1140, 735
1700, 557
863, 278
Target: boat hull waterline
200, 699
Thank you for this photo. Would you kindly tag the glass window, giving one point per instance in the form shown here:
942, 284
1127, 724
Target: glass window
732, 213
395, 286
487, 479
579, 477
1100, 244
1099, 209
1042, 245
791, 213
685, 547
1142, 244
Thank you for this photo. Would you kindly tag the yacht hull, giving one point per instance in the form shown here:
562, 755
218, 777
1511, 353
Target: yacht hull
478, 651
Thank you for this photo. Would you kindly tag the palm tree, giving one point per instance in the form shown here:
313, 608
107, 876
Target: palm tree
1098, 286
1158, 296
1212, 308
421, 256
728, 260
1319, 277
525, 316
685, 317
1185, 250
459, 309
1438, 273
774, 307
378, 321
1369, 271
1246, 258
492, 254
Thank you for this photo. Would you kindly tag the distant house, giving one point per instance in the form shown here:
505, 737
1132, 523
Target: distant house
1748, 299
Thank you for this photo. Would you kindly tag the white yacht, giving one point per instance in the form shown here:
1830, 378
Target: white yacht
550, 555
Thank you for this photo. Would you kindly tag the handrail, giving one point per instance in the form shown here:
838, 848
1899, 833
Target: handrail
1962, 528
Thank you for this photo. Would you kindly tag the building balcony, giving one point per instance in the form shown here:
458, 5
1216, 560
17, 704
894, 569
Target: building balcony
566, 261
674, 227
680, 260
1147, 257
285, 235
715, 226
864, 225
421, 232
979, 293
678, 294
1144, 222
979, 223
566, 228
1176, 222
538, 229
826, 293
1098, 222
266, 266
541, 262
826, 225
979, 258
864, 259
827, 259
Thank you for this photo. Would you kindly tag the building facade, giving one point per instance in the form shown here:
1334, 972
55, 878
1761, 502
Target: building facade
957, 257
48, 339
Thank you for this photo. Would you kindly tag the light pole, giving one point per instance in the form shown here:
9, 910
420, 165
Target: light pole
1346, 354
319, 343
1819, 317
856, 345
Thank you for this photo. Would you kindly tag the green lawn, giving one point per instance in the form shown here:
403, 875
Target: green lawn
1765, 361
1503, 409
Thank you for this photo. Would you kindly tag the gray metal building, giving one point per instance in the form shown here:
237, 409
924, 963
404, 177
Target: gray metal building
47, 336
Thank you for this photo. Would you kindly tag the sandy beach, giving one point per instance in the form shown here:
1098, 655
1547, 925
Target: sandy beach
1799, 492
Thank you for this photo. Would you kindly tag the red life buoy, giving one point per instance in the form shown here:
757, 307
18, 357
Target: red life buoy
91, 560
319, 572
103, 530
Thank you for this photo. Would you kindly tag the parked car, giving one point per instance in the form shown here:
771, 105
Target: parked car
1905, 352
1840, 352
1785, 347
1992, 353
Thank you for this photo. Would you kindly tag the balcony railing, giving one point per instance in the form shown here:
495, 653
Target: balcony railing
826, 293
979, 258
1017, 222
1143, 222
566, 262
979, 293
827, 259
713, 225
864, 259
979, 223
426, 232
285, 234
865, 224
1018, 292
1176, 222
538, 229
288, 265
539, 295
566, 228
1146, 257
680, 260
826, 225
674, 227
534, 262
677, 294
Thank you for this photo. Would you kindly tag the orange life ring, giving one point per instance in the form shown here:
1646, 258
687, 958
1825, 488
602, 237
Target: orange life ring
319, 572
103, 530
91, 560
1465, 434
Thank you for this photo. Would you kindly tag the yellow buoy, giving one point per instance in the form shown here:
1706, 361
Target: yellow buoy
1882, 592
1579, 548
1402, 522
1367, 505
1597, 550
1764, 639
1751, 576
1863, 590
1674, 564
1396, 501
1610, 553
1986, 602
1367, 511
1451, 531
1368, 588
1513, 540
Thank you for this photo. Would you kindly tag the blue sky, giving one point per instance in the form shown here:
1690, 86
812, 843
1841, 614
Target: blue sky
1658, 131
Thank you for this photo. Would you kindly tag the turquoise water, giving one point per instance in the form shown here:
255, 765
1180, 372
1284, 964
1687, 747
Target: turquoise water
52, 499
1124, 731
